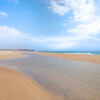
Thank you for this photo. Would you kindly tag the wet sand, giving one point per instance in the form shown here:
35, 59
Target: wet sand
65, 79
78, 57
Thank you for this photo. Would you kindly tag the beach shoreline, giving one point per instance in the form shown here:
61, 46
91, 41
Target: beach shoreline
77, 57
17, 85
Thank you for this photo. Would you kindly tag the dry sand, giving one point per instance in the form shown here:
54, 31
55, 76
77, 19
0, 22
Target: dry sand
79, 57
11, 54
17, 86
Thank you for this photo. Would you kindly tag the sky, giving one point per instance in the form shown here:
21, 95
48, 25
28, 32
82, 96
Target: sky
45, 25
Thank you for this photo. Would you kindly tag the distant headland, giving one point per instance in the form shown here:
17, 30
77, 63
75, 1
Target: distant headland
16, 50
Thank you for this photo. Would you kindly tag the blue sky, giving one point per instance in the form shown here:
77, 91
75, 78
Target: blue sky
50, 24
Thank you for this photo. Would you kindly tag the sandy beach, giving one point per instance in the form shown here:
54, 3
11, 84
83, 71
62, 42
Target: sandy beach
78, 57
15, 85
11, 54
64, 79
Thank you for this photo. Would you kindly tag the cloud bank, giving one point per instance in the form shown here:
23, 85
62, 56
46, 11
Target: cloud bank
12, 38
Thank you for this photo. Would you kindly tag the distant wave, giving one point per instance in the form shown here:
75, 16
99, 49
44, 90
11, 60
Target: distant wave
81, 53
74, 52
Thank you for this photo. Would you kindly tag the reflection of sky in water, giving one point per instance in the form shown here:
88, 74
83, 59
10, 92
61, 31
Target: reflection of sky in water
71, 80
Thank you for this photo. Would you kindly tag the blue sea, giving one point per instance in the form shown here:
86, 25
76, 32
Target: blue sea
75, 52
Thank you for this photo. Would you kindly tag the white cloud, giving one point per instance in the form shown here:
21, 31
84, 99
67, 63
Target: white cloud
87, 29
12, 36
4, 14
81, 9
8, 33
84, 16
57, 8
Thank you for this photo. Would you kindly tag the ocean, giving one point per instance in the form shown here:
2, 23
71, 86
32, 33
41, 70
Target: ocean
74, 52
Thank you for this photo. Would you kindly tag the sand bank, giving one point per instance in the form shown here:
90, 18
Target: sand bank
10, 54
79, 57
17, 86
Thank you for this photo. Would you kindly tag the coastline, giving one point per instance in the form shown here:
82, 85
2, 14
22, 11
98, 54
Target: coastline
11, 54
14, 84
77, 57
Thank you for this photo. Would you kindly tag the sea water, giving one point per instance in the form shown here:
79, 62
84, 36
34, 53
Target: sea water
74, 52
